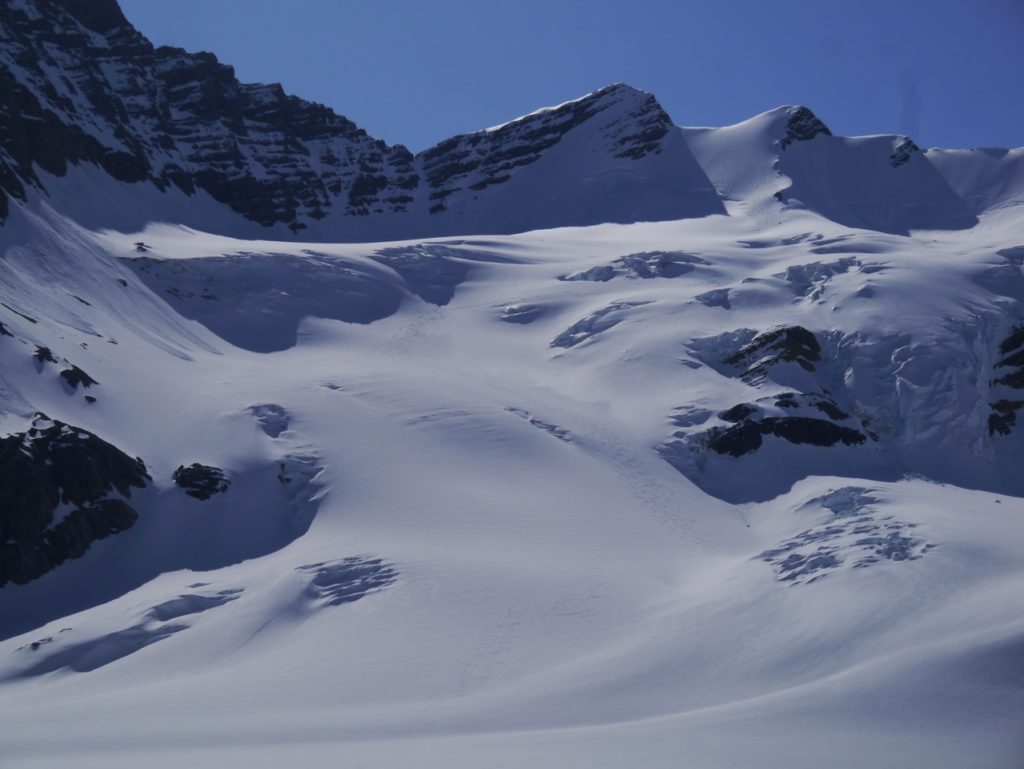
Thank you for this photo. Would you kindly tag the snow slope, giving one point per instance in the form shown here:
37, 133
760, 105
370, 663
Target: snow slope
788, 155
986, 179
479, 553
584, 440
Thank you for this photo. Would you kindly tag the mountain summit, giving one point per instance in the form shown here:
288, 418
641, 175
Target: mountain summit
83, 91
81, 87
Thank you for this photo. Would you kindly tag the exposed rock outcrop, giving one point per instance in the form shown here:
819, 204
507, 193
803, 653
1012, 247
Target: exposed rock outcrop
201, 481
902, 152
76, 378
1008, 380
745, 437
44, 355
80, 85
811, 419
59, 488
803, 126
787, 344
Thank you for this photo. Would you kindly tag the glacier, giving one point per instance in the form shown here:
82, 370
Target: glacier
676, 447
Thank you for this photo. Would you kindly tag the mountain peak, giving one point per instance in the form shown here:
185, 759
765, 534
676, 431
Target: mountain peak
618, 89
87, 89
280, 161
621, 127
801, 125
593, 102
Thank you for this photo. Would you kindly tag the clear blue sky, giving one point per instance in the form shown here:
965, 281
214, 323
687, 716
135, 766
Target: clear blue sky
948, 72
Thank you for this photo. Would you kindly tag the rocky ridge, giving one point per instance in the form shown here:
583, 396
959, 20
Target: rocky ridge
80, 85
61, 489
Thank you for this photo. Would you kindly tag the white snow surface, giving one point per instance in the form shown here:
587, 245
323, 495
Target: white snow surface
452, 537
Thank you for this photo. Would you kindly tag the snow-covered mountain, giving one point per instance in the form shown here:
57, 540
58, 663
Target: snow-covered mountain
83, 88
584, 440
88, 101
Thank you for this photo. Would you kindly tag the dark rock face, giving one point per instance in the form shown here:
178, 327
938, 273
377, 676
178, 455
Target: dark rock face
1014, 362
490, 156
649, 126
1013, 341
80, 85
75, 377
811, 419
621, 128
746, 436
738, 413
821, 403
487, 158
790, 343
44, 355
830, 409
1003, 416
97, 15
902, 152
51, 465
1009, 376
803, 125
201, 481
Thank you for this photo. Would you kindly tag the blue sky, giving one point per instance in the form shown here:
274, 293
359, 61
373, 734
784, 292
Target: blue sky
948, 72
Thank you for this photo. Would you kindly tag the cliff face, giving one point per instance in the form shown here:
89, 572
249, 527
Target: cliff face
80, 85
58, 495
